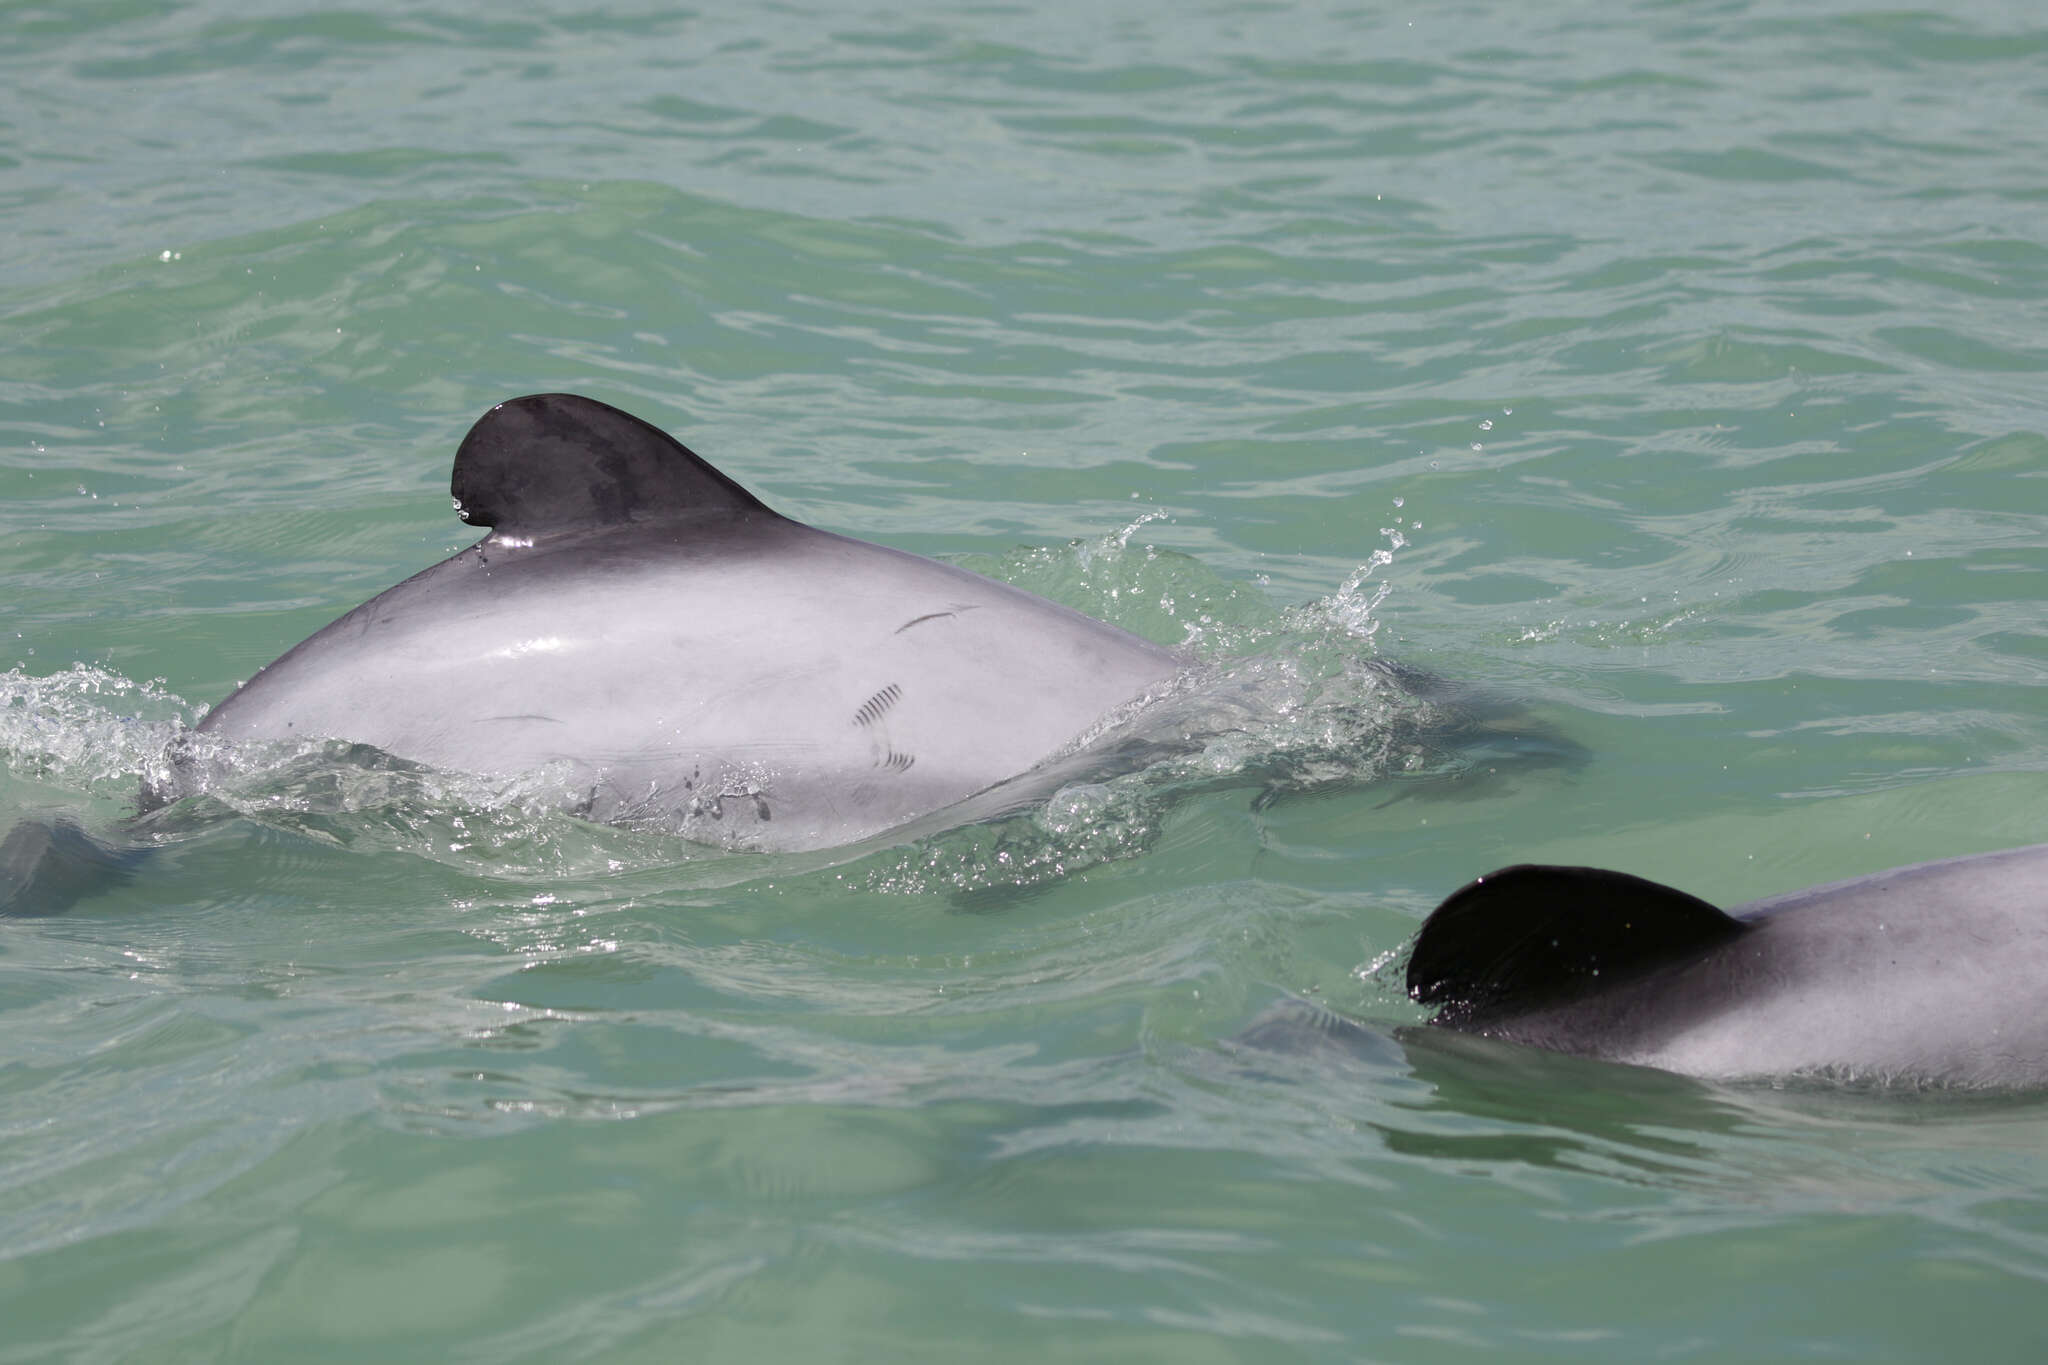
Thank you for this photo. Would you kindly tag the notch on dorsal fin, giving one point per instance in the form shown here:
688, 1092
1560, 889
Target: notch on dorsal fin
1531, 935
552, 462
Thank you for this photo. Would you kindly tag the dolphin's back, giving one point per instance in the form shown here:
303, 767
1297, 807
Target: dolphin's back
1934, 974
675, 652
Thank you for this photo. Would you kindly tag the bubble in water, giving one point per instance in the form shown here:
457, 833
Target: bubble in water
87, 727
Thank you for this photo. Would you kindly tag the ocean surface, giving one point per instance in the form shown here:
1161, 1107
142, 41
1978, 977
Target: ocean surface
1670, 377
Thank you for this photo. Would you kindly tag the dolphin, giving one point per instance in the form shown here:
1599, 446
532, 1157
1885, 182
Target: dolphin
642, 629
1934, 975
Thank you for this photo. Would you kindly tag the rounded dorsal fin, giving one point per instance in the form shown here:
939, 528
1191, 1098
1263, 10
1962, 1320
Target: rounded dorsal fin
553, 462
1534, 935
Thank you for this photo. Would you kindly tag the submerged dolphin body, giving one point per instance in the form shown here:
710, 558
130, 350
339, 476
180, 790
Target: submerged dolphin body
1929, 975
642, 627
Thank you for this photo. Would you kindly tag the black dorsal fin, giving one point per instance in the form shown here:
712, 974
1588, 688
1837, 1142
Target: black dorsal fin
552, 462
1532, 935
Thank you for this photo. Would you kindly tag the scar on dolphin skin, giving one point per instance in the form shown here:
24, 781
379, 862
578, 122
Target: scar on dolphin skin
870, 716
932, 616
875, 707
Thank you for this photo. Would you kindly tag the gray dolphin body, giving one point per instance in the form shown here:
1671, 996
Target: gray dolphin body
1929, 975
640, 626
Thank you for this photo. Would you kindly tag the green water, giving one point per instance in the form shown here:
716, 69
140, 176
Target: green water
1681, 364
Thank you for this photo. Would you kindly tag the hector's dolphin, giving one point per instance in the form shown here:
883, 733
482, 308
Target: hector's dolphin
643, 628
1930, 975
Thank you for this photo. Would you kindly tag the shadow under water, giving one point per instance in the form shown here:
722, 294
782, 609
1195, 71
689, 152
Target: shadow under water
1440, 1095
